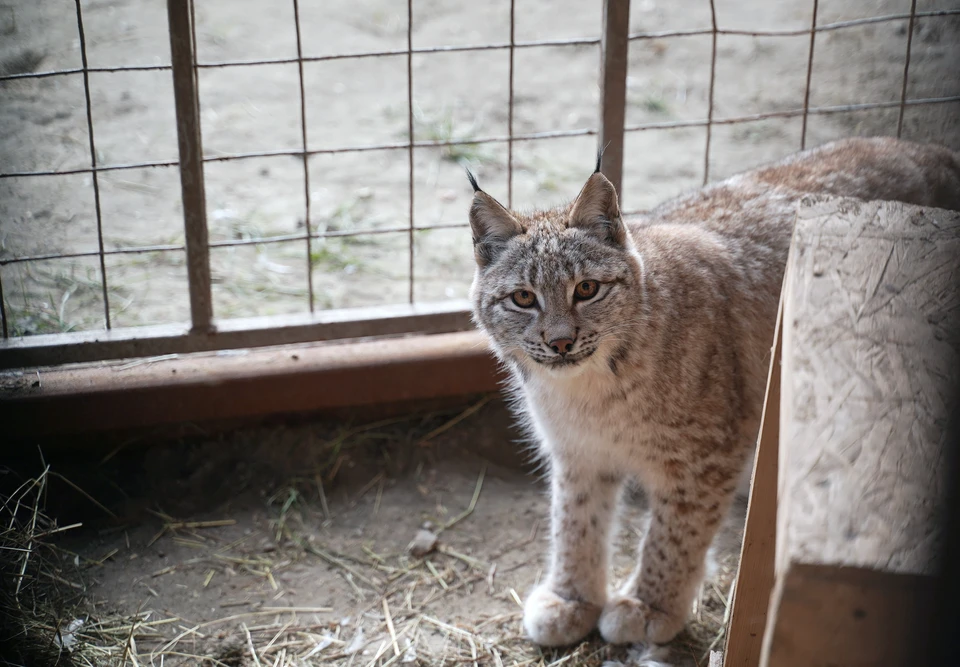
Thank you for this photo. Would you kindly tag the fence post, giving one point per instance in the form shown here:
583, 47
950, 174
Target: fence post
187, 101
613, 88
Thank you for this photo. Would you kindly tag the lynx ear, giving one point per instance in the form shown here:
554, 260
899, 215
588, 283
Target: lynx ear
492, 225
596, 210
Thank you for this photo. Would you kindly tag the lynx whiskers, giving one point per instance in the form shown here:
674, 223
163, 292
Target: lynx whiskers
639, 350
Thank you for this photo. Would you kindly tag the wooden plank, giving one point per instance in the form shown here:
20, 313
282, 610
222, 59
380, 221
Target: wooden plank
250, 383
871, 313
86, 346
851, 617
751, 594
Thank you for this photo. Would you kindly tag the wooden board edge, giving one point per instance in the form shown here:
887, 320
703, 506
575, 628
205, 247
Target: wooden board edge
755, 571
283, 380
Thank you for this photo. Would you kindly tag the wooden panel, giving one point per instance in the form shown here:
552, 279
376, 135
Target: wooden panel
751, 595
244, 384
871, 314
851, 617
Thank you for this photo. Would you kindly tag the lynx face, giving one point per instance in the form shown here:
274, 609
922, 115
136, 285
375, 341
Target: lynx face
555, 288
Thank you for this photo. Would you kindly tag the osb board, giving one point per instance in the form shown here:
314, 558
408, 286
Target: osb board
870, 352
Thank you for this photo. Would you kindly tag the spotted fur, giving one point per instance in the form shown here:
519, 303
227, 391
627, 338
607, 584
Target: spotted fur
665, 378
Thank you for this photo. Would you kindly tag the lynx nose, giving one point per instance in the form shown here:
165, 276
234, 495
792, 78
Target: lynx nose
561, 345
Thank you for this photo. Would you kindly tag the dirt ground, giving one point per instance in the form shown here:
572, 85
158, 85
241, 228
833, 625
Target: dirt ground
362, 102
291, 543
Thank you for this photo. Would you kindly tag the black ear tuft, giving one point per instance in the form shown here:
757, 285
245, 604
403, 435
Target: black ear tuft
473, 181
600, 158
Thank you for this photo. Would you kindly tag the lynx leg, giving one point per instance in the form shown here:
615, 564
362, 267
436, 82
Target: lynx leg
654, 603
566, 605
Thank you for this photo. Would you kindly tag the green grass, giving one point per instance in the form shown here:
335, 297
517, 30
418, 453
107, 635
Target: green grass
445, 127
332, 255
655, 104
60, 301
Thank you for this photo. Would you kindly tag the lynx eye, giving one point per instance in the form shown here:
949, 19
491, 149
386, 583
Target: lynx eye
524, 298
586, 289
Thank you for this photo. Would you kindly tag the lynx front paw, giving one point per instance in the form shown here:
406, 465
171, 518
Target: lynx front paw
551, 620
627, 620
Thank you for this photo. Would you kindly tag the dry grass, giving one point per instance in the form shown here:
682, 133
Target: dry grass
42, 587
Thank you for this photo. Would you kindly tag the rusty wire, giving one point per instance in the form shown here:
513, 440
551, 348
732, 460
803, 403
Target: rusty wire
713, 80
587, 41
806, 90
531, 136
410, 143
512, 52
906, 67
93, 165
789, 113
305, 157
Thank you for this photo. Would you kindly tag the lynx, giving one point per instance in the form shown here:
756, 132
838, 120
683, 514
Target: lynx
639, 349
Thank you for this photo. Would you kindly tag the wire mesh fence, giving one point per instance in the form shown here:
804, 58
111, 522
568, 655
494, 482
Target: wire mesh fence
210, 161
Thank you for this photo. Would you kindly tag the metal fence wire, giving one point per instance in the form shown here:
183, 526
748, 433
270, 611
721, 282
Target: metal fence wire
206, 333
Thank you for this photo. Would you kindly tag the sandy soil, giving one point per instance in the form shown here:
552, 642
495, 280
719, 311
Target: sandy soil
362, 102
299, 536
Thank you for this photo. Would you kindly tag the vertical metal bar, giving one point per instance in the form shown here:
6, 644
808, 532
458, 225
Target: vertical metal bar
906, 68
614, 47
306, 166
3, 308
806, 94
510, 107
713, 78
410, 133
93, 164
187, 101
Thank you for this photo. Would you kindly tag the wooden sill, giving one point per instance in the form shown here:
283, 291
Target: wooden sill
244, 384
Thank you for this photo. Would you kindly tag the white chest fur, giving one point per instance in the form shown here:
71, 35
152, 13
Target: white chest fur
577, 418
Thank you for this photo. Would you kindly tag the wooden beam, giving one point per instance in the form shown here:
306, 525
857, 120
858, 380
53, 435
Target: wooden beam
244, 384
754, 583
85, 346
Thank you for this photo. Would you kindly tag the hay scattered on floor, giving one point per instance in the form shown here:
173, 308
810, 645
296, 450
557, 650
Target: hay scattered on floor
38, 599
393, 620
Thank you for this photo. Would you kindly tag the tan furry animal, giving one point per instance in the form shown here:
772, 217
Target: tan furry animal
640, 350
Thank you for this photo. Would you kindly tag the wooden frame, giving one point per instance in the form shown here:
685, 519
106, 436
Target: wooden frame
205, 332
